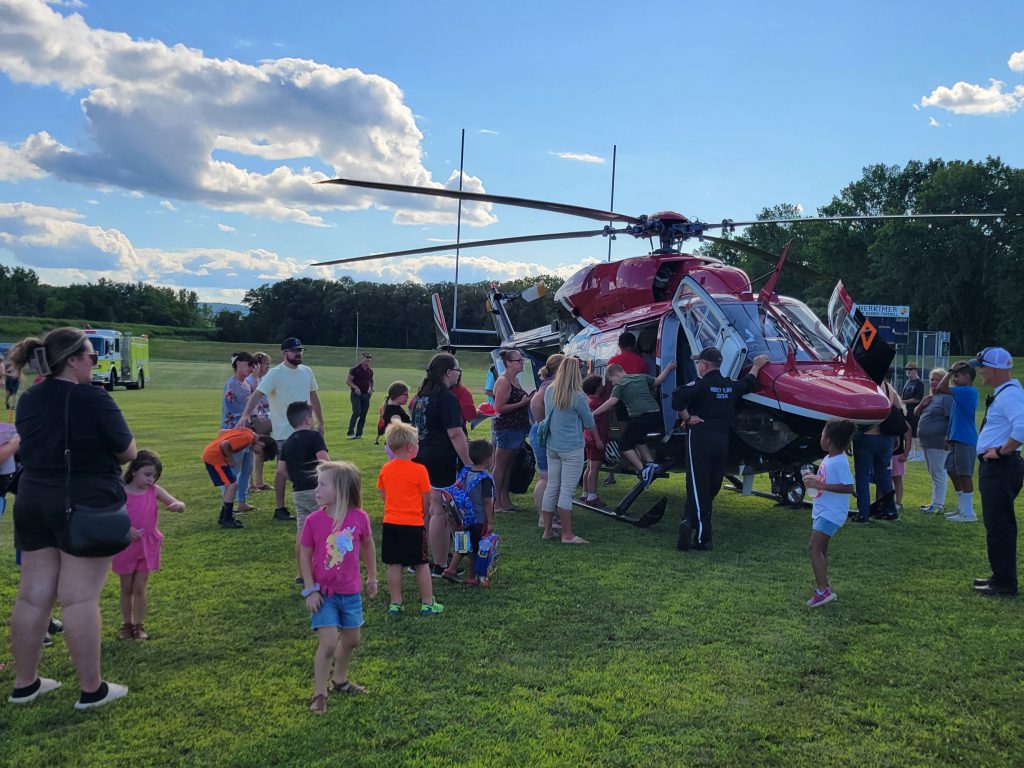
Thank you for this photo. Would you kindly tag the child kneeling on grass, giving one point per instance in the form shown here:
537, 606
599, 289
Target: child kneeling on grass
333, 539
477, 520
834, 484
405, 487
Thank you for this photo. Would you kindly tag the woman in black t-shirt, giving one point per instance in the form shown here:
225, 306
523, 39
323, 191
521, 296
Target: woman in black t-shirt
438, 419
99, 441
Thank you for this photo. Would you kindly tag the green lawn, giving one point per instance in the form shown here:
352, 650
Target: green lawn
623, 653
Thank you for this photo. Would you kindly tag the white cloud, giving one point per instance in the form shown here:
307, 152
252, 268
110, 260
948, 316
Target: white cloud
168, 205
172, 122
62, 249
225, 228
440, 267
14, 165
580, 157
488, 132
67, 3
967, 99
933, 122
1016, 61
93, 202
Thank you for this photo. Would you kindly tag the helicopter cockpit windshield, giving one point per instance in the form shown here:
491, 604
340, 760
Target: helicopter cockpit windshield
786, 323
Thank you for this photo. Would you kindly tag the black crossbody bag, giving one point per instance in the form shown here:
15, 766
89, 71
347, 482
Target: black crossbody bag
91, 531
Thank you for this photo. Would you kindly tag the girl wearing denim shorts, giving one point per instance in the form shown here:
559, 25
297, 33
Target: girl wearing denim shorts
332, 541
834, 486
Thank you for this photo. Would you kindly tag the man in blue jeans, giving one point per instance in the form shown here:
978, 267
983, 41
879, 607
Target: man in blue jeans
872, 453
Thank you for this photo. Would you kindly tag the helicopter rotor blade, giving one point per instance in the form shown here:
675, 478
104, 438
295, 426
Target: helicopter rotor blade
474, 244
729, 223
521, 202
791, 266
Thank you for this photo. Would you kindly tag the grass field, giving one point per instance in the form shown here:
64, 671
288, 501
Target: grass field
623, 653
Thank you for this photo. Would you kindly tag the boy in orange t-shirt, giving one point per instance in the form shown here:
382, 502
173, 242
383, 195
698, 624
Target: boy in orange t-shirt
222, 457
405, 487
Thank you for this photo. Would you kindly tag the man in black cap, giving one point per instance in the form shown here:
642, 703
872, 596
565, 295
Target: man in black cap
284, 384
707, 406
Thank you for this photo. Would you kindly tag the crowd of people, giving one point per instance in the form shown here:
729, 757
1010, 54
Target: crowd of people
71, 441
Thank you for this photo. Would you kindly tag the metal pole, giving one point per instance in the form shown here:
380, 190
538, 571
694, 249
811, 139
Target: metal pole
611, 205
458, 237
357, 334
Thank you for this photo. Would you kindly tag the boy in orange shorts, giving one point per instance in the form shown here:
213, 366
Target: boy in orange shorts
221, 462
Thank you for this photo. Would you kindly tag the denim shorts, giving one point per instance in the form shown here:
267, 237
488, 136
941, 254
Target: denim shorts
510, 439
539, 454
821, 525
342, 611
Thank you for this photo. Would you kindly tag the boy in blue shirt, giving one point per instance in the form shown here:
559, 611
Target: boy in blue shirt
962, 438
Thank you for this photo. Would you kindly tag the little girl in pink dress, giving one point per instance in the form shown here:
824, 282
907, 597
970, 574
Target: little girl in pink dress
142, 556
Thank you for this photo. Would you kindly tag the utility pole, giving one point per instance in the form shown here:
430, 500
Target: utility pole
458, 237
357, 334
611, 205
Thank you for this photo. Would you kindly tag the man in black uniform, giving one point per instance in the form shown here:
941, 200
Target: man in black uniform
707, 406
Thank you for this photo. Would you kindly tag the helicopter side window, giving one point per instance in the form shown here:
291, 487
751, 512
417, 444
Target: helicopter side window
761, 336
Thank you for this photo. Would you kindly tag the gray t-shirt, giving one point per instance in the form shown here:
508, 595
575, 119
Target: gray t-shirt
934, 422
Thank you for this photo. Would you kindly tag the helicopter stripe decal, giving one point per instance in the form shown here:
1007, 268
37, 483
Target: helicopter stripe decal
799, 411
691, 484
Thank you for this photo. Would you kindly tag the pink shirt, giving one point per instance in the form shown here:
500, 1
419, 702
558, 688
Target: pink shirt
336, 550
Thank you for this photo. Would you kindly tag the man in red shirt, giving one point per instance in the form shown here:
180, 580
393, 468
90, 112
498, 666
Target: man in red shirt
628, 357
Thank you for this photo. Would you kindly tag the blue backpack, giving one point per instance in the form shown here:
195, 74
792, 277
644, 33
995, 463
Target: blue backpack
458, 501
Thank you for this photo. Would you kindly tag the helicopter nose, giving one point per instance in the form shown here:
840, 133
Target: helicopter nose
831, 394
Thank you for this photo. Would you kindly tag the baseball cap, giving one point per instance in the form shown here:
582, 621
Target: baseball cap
709, 355
291, 343
992, 357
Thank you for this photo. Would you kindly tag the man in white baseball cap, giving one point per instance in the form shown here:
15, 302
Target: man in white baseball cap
1001, 472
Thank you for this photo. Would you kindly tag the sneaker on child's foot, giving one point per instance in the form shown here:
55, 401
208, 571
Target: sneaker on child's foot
56, 627
436, 571
648, 472
395, 609
47, 641
431, 609
961, 519
932, 509
820, 598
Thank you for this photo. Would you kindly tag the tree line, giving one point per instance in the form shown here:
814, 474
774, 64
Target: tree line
21, 294
961, 276
332, 312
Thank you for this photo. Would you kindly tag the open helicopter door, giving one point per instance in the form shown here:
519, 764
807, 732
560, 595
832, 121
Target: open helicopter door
706, 325
873, 353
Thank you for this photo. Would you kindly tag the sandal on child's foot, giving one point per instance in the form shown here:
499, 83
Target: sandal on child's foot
348, 687
449, 575
318, 705
139, 632
127, 632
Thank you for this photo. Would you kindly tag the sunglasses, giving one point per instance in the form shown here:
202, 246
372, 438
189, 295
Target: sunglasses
92, 356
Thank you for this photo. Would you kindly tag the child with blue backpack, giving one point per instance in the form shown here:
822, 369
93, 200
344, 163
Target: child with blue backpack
473, 493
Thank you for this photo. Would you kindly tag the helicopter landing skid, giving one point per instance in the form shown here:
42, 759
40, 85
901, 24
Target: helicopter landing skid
735, 484
649, 518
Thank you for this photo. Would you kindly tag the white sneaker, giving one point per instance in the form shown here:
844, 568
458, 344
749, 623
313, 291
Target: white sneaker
46, 685
961, 519
114, 692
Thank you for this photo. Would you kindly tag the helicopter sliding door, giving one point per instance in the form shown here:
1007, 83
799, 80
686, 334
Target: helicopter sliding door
706, 325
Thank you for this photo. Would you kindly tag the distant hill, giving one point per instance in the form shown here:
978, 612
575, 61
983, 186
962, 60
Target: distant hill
216, 307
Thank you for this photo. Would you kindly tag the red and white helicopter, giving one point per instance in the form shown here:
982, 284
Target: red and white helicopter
678, 304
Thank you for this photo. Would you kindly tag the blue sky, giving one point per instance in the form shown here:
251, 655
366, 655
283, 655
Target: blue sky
177, 142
